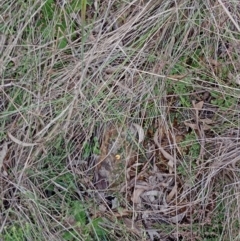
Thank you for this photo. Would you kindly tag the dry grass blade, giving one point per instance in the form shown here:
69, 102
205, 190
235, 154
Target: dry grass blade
229, 15
140, 132
21, 143
171, 160
3, 153
85, 85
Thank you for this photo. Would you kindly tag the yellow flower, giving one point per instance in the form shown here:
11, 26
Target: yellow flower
117, 157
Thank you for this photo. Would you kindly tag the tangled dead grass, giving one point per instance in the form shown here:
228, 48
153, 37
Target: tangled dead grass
122, 127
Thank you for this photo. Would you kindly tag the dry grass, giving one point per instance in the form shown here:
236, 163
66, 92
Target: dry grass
75, 90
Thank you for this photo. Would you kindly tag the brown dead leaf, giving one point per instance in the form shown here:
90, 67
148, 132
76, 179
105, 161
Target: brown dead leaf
170, 165
3, 153
207, 121
191, 125
140, 132
131, 171
170, 158
122, 213
152, 195
214, 62
102, 174
237, 79
179, 138
132, 225
198, 106
206, 127
140, 184
178, 218
102, 208
172, 193
136, 195
195, 127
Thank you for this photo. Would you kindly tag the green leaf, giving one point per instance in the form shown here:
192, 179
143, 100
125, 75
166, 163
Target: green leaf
63, 43
68, 236
76, 5
48, 10
79, 213
98, 229
86, 150
215, 94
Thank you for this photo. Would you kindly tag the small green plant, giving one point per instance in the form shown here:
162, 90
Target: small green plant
87, 228
55, 23
223, 103
190, 146
18, 233
13, 233
91, 148
213, 230
190, 150
181, 88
